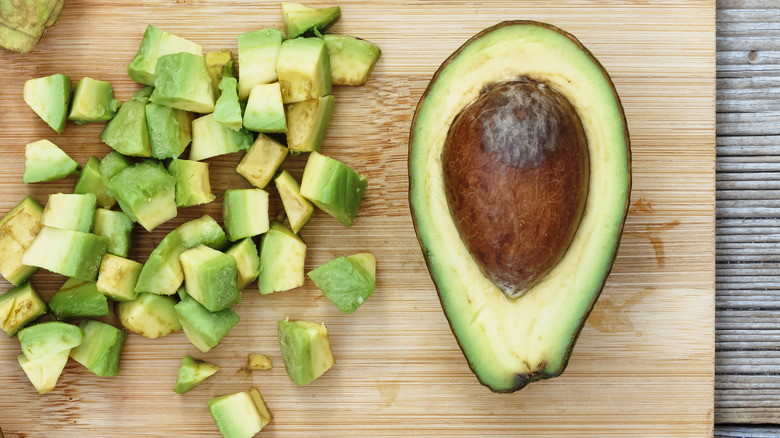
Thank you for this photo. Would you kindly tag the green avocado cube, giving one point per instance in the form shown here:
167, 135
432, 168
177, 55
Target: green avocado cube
305, 350
44, 161
157, 43
264, 110
49, 97
245, 212
101, 349
211, 138
117, 277
78, 299
18, 229
227, 110
210, 277
111, 164
91, 181
128, 132
143, 95
70, 211
192, 373
204, 329
220, 65
203, 231
23, 23
182, 82
67, 252
307, 122
49, 338
192, 182
262, 160
20, 306
146, 192
118, 227
149, 315
347, 281
44, 372
282, 258
300, 20
170, 130
247, 261
333, 187
162, 273
240, 415
257, 56
351, 59
303, 68
297, 208
93, 101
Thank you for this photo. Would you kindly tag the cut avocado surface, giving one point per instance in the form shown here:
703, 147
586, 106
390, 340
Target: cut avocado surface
117, 226
307, 122
182, 82
18, 229
66, 252
154, 44
305, 350
303, 68
297, 208
204, 329
149, 315
510, 342
91, 181
92, 101
49, 97
347, 281
101, 349
170, 130
303, 20
45, 161
146, 192
192, 373
257, 55
240, 415
351, 59
128, 132
78, 299
333, 186
70, 211
20, 306
282, 259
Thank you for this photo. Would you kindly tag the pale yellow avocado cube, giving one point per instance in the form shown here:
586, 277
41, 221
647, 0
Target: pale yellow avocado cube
117, 277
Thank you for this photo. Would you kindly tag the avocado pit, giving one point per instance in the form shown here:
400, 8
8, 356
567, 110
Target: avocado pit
516, 170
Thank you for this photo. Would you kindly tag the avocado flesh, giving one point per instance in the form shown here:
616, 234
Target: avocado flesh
78, 299
510, 343
91, 181
192, 373
18, 229
45, 161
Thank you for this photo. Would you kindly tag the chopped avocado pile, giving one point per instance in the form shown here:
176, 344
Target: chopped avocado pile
192, 107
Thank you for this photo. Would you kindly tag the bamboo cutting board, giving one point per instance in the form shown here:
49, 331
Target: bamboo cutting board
643, 365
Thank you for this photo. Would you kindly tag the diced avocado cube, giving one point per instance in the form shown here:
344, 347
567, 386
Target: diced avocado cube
333, 187
20, 306
227, 110
256, 361
93, 101
211, 138
305, 350
247, 261
264, 110
111, 164
303, 68
18, 229
143, 95
117, 278
128, 132
240, 415
23, 23
260, 163
351, 59
192, 182
49, 97
182, 81
157, 43
203, 231
118, 227
347, 281
210, 277
162, 273
67, 252
170, 130
300, 19
101, 349
149, 315
44, 372
257, 56
44, 161
192, 373
297, 208
146, 192
245, 212
49, 338
282, 257
70, 211
307, 122
78, 299
91, 181
220, 65
204, 329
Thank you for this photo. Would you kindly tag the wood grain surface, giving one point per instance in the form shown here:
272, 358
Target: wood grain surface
643, 365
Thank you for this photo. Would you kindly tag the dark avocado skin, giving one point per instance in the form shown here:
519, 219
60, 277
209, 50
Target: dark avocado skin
519, 379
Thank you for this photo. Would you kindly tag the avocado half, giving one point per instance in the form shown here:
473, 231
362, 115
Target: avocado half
518, 325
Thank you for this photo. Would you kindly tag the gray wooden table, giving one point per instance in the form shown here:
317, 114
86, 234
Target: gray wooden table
747, 327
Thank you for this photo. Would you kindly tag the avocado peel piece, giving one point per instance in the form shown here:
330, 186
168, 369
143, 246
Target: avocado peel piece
514, 337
